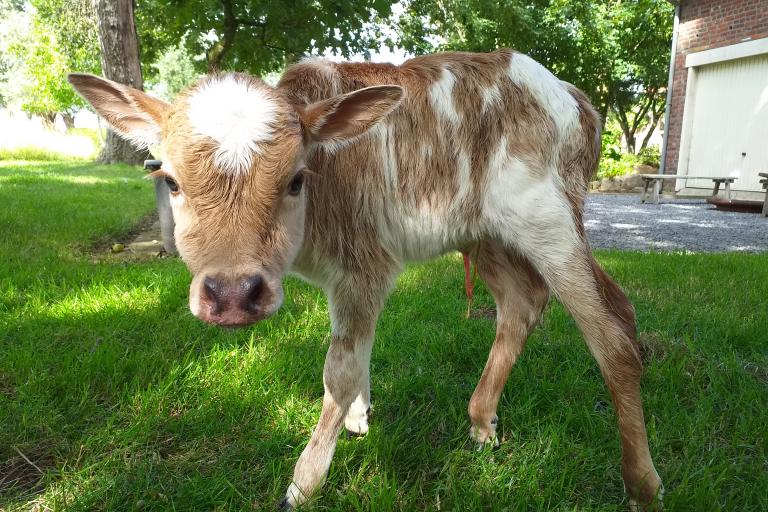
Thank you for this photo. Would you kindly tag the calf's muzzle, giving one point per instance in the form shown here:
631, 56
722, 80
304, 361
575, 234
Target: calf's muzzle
232, 303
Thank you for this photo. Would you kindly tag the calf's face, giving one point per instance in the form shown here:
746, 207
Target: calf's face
233, 152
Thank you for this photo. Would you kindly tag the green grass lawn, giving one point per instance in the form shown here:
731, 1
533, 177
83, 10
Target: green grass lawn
124, 401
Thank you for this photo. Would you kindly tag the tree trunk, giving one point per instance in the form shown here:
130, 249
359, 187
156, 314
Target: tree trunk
49, 119
656, 113
602, 111
626, 130
629, 138
651, 129
218, 51
69, 120
119, 62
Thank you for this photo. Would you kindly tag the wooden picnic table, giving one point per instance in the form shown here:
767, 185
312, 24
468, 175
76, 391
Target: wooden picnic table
657, 180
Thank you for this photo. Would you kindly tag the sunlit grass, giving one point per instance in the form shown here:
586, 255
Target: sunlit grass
33, 154
125, 401
27, 139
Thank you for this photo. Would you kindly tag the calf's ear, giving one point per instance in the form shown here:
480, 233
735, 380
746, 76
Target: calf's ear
136, 116
344, 117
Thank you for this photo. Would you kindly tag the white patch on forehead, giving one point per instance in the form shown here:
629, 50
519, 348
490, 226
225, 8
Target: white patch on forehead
548, 90
441, 96
237, 115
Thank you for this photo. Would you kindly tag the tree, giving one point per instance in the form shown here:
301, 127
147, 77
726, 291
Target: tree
615, 50
259, 36
58, 37
45, 93
13, 22
563, 35
639, 97
175, 71
119, 62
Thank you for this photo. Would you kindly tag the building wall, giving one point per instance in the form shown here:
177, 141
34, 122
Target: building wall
707, 24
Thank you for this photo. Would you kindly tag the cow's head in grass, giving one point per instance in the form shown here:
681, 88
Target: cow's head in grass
233, 152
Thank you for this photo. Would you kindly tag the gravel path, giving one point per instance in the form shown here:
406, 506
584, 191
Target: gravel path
620, 221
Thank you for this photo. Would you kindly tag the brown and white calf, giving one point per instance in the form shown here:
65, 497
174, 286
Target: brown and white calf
346, 171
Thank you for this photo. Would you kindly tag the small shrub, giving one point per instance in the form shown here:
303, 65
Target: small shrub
650, 155
610, 152
611, 146
610, 168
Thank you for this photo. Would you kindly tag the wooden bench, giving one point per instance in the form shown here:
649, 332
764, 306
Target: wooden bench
657, 180
764, 181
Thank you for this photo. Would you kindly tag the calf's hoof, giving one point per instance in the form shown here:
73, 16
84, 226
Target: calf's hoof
357, 423
485, 435
647, 495
655, 506
283, 505
355, 435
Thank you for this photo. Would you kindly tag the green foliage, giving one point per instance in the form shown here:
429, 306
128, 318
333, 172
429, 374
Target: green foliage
61, 38
610, 49
73, 26
175, 70
14, 22
650, 155
125, 401
47, 91
610, 168
611, 141
614, 162
258, 36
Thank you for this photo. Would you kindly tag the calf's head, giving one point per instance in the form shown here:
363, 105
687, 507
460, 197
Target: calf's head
234, 152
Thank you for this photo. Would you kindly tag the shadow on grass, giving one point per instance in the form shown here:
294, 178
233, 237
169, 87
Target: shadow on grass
131, 380
145, 405
95, 355
125, 401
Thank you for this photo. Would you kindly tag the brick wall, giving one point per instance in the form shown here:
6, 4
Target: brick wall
707, 24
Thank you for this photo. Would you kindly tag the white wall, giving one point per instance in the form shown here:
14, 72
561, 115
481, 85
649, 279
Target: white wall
725, 125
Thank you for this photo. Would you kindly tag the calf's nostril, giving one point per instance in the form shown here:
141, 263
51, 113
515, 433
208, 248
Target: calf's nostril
252, 288
212, 291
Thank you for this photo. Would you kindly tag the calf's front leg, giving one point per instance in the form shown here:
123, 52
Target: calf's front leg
345, 377
356, 421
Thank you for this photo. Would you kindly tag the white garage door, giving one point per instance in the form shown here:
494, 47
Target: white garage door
729, 128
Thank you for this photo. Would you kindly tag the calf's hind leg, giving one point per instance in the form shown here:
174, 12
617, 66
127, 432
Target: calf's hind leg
521, 296
607, 320
621, 366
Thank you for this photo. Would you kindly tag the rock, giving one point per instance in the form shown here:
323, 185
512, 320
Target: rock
609, 185
629, 182
118, 247
644, 169
594, 185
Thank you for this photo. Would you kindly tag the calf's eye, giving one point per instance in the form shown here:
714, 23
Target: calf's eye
296, 183
172, 185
